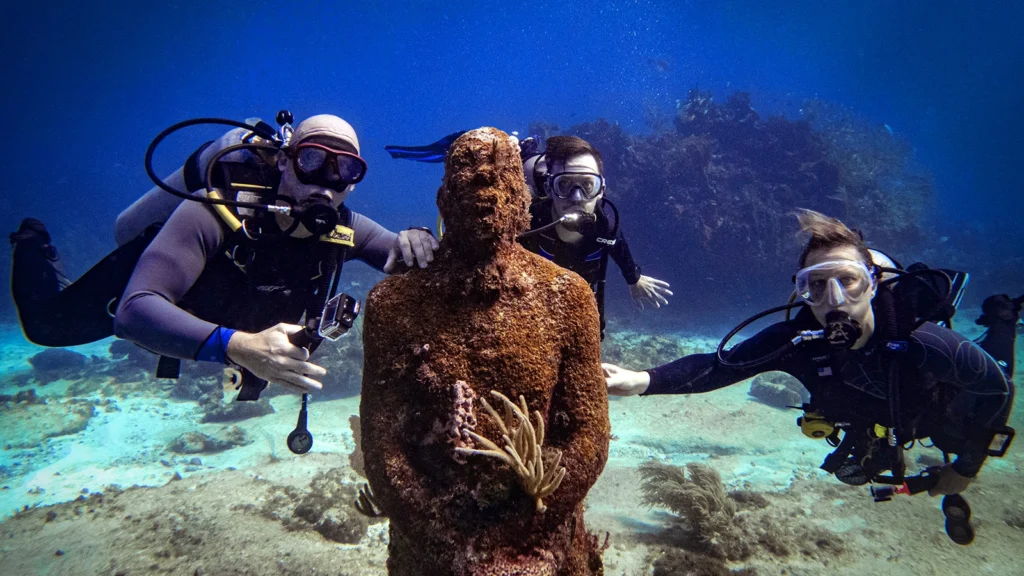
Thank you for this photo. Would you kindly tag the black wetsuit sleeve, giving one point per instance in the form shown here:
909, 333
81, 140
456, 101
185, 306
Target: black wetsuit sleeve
703, 373
624, 259
980, 395
148, 314
373, 242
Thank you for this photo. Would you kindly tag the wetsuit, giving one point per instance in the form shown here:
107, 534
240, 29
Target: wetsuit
589, 257
951, 390
185, 284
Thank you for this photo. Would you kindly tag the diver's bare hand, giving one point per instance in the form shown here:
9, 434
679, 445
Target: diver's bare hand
622, 382
650, 290
412, 246
271, 356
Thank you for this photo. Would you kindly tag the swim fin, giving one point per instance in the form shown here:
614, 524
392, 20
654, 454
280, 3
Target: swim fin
432, 153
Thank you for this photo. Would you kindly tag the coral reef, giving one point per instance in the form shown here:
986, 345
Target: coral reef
639, 349
729, 526
324, 507
778, 389
130, 362
58, 360
523, 450
485, 316
200, 443
673, 562
696, 495
29, 419
55, 363
716, 192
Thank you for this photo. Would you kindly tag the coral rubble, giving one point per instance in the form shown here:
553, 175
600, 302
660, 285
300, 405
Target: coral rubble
487, 316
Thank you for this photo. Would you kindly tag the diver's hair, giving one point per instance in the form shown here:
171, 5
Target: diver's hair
827, 232
561, 148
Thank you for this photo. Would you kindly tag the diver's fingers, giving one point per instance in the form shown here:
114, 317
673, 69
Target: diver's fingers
430, 245
286, 347
406, 248
660, 299
657, 283
418, 249
300, 383
389, 266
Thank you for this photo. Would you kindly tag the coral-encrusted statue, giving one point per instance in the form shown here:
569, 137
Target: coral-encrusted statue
486, 323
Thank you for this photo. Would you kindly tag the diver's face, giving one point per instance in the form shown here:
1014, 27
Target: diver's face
575, 202
859, 310
293, 188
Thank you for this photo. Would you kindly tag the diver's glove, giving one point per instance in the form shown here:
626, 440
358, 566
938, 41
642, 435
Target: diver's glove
999, 309
949, 482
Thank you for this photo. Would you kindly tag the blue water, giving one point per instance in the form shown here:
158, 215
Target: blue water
87, 85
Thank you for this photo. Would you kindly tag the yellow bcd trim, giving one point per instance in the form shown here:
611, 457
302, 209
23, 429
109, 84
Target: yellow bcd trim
340, 235
814, 426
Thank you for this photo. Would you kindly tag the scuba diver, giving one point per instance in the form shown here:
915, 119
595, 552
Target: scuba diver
224, 277
576, 227
880, 375
572, 223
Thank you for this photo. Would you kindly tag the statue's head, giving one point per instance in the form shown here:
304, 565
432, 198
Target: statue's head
483, 199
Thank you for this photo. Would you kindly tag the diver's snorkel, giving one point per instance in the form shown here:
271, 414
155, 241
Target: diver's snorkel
572, 221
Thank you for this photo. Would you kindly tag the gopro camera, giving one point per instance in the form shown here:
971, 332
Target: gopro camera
339, 314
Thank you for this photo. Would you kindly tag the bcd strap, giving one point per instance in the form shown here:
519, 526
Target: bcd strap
167, 367
341, 235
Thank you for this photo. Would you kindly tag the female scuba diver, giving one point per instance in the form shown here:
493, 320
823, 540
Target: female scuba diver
876, 372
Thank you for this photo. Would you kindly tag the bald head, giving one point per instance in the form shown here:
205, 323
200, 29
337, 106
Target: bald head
325, 128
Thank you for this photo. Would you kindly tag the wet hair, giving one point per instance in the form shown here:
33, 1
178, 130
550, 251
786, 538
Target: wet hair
561, 148
826, 233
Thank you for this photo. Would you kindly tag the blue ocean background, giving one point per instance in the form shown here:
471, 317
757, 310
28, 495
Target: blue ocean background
89, 84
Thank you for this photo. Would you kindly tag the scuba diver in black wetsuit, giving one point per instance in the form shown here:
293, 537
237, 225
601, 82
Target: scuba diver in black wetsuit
227, 275
879, 377
574, 226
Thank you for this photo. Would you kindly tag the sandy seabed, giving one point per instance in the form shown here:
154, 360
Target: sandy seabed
111, 499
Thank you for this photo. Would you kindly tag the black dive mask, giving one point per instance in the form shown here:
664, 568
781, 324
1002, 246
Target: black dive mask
841, 331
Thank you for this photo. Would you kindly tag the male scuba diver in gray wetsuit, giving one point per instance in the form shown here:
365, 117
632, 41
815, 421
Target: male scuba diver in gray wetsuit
225, 278
880, 375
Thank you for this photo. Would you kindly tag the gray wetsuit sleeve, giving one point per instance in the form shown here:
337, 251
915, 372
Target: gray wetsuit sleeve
373, 242
148, 314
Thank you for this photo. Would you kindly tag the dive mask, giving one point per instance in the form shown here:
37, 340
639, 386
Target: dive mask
319, 165
564, 184
835, 282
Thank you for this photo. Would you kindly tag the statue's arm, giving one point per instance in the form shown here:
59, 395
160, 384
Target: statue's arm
578, 417
398, 487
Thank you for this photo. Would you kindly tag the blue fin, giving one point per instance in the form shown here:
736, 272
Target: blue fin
433, 153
